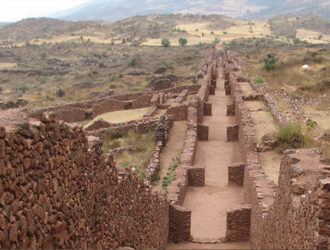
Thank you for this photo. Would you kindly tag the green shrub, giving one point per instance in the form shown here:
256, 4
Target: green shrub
43, 55
1, 89
114, 144
310, 124
183, 41
132, 62
115, 134
23, 88
43, 80
291, 136
166, 42
142, 174
170, 172
216, 41
318, 59
269, 62
259, 80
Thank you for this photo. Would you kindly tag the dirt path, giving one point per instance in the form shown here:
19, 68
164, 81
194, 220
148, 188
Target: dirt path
210, 203
172, 149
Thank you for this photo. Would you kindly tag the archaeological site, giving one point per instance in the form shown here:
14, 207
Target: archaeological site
207, 184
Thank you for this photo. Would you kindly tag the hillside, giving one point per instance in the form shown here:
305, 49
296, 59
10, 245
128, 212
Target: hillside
118, 9
288, 27
150, 29
38, 27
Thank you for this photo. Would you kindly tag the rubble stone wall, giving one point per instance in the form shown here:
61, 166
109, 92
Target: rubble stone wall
58, 191
111, 102
293, 215
179, 112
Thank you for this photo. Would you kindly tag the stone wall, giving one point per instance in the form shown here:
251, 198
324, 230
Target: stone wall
58, 191
293, 215
238, 224
179, 223
196, 176
179, 112
185, 174
81, 111
162, 131
300, 210
177, 189
236, 173
232, 133
101, 127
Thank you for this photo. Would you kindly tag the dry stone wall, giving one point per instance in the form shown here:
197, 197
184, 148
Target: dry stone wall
185, 174
81, 111
293, 215
58, 191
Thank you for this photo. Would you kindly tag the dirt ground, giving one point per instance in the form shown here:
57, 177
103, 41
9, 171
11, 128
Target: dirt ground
172, 150
210, 203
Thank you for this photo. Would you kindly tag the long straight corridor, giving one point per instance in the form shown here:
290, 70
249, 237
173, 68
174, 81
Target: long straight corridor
210, 203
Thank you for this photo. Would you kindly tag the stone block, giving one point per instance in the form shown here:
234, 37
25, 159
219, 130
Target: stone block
228, 90
238, 224
236, 173
212, 90
202, 132
232, 133
196, 176
179, 223
231, 110
207, 109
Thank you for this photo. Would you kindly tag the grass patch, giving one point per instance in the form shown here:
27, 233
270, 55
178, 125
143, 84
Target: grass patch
170, 172
259, 80
291, 136
140, 159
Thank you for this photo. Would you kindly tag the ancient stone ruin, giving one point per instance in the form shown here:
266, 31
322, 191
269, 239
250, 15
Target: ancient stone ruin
59, 190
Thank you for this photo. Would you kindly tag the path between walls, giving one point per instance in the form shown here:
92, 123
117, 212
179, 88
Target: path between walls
210, 203
172, 149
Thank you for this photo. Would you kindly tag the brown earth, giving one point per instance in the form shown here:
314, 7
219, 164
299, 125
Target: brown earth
172, 150
210, 203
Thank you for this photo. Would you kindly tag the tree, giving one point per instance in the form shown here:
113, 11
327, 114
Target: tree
270, 60
166, 42
183, 41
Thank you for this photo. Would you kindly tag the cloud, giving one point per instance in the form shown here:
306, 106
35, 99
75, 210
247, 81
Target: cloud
14, 10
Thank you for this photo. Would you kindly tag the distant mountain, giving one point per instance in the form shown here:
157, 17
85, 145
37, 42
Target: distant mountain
38, 27
3, 24
111, 10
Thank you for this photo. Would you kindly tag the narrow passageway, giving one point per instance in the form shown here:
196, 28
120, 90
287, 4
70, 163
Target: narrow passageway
210, 203
171, 151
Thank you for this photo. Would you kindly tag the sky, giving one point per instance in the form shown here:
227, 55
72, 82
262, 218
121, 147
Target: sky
15, 10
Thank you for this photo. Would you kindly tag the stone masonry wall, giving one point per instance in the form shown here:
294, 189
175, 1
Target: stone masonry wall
179, 112
58, 191
294, 215
81, 111
185, 174
238, 224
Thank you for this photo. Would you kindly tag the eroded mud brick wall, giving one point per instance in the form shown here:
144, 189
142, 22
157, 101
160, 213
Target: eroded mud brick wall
58, 192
